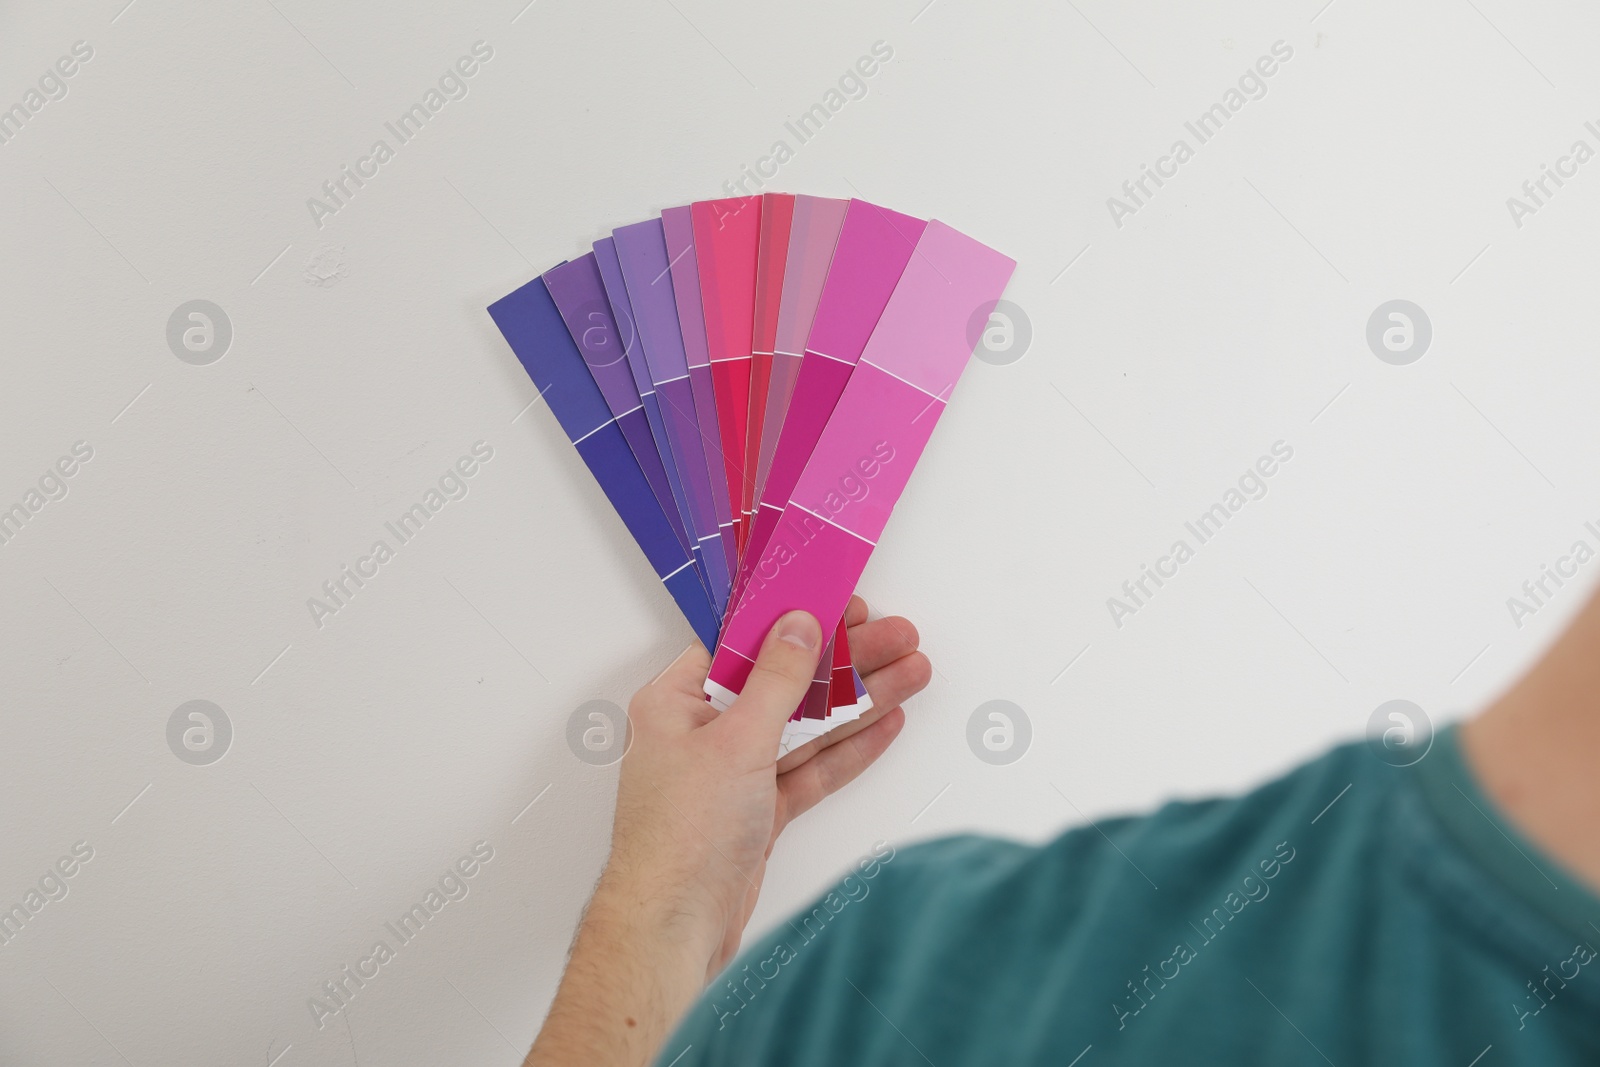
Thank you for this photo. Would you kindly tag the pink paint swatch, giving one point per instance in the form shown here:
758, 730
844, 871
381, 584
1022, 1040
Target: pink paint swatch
813, 236
871, 442
874, 246
777, 218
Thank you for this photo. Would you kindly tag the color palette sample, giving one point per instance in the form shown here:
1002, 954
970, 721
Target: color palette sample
751, 381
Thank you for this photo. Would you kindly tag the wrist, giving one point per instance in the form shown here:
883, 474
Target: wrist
638, 962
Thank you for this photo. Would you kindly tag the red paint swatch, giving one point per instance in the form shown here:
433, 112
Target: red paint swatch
727, 235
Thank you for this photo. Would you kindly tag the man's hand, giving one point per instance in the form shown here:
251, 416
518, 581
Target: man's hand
701, 800
704, 796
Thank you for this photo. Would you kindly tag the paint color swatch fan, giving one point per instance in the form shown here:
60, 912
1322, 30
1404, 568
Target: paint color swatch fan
751, 381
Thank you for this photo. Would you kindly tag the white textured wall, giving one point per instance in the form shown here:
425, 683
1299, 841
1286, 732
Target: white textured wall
1226, 314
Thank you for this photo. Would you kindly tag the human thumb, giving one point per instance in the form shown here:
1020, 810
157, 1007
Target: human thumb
778, 682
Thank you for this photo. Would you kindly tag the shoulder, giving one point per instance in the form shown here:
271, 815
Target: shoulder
1337, 795
965, 926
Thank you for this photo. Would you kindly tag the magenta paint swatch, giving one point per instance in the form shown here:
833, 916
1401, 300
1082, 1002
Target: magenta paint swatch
872, 251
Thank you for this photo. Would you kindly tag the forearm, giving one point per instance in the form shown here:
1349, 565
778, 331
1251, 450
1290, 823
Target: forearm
636, 966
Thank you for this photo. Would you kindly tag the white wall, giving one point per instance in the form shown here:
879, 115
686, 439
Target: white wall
1227, 314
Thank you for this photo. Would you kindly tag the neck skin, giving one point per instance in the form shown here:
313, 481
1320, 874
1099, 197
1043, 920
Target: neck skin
1536, 750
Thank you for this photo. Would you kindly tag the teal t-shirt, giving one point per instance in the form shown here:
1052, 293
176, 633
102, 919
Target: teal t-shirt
1349, 913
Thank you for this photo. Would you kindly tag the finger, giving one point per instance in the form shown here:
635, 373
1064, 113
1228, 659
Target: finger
778, 682
806, 785
880, 642
856, 612
687, 673
900, 680
889, 687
